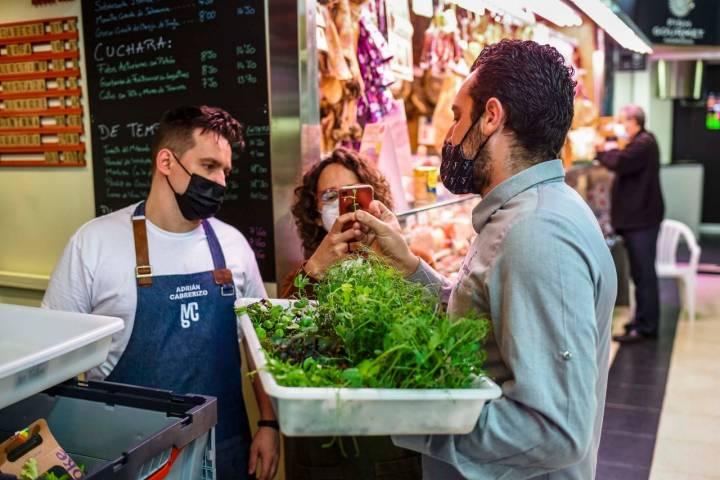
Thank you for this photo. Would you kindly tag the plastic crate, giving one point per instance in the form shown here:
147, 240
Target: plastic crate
304, 411
40, 348
124, 432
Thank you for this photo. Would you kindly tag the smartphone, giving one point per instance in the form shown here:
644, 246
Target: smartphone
353, 198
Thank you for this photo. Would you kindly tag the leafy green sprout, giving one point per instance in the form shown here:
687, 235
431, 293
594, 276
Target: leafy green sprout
369, 328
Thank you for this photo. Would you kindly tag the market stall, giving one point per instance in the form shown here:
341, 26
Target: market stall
384, 76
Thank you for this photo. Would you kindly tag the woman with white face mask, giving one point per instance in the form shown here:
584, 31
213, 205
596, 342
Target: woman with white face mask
316, 212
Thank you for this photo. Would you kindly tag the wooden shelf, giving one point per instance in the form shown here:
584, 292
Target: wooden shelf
39, 163
47, 147
39, 57
41, 113
40, 38
70, 72
41, 20
68, 92
41, 130
43, 153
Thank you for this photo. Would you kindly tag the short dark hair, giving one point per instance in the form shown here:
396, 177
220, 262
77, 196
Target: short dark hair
177, 126
305, 207
536, 89
636, 113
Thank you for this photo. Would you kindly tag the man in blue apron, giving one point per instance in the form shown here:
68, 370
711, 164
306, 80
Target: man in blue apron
173, 272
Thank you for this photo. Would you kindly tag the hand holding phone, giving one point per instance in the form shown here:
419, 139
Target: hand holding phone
353, 198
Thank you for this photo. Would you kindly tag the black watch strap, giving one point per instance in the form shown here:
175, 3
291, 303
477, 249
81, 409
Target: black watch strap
269, 423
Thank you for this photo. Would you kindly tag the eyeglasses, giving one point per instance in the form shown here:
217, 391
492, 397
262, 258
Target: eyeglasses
328, 195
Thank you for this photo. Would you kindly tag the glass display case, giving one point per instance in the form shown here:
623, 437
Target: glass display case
441, 233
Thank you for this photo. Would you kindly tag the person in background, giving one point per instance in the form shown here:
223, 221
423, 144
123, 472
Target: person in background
636, 211
172, 272
319, 225
539, 268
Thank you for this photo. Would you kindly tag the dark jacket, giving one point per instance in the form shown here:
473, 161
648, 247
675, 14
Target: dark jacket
637, 200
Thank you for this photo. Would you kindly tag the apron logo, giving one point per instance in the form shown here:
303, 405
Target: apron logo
188, 291
188, 313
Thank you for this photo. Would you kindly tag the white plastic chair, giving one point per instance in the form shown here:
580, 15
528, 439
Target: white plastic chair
667, 266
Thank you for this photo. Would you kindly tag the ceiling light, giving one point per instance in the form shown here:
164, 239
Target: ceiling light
555, 11
605, 18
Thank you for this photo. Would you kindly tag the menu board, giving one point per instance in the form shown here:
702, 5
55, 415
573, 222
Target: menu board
147, 56
40, 113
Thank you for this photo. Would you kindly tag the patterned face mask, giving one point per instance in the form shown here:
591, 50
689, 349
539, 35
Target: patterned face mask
457, 172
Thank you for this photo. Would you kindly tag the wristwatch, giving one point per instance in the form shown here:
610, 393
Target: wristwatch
269, 423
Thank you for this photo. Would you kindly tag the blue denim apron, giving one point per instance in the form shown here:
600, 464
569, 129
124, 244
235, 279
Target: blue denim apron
185, 339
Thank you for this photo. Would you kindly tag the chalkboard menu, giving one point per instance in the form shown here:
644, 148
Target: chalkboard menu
146, 56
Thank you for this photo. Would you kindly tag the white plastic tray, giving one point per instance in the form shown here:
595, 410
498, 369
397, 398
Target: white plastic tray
367, 411
40, 348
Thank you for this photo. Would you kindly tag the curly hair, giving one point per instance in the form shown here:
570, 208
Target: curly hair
536, 88
305, 207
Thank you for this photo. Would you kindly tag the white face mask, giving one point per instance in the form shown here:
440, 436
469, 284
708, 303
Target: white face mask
329, 213
620, 131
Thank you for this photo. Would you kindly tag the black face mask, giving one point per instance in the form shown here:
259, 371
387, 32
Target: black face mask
202, 199
457, 172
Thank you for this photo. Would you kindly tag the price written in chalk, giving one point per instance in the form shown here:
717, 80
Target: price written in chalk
246, 10
209, 82
208, 71
263, 197
258, 240
245, 49
258, 232
207, 55
247, 79
246, 65
258, 169
259, 184
207, 15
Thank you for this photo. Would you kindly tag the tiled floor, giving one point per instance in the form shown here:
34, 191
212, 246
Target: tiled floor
688, 439
636, 389
662, 419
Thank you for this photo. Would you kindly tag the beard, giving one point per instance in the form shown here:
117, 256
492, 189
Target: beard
481, 171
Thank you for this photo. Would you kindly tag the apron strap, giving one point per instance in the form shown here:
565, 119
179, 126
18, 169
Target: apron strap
221, 274
143, 270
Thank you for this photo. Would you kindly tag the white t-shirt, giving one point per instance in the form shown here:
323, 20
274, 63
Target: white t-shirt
96, 273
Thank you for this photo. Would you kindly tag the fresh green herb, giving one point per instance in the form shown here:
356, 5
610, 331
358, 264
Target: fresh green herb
29, 471
370, 328
52, 476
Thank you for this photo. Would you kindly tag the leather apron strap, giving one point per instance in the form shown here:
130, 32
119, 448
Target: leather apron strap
143, 270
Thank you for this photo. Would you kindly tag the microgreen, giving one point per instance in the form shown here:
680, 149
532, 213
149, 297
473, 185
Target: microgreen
369, 328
